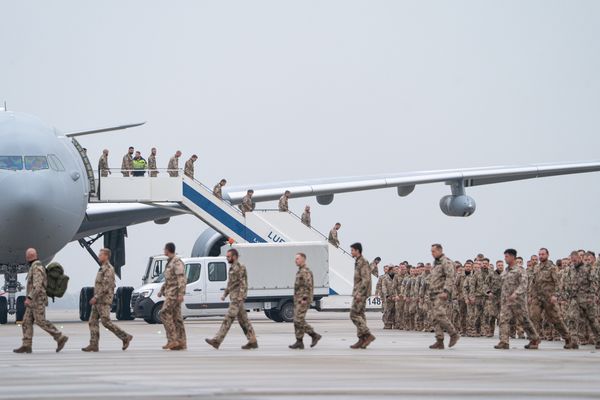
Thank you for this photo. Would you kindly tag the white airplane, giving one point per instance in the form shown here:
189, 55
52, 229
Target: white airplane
48, 181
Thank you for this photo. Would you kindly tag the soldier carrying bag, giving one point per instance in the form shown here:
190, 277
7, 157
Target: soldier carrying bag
57, 280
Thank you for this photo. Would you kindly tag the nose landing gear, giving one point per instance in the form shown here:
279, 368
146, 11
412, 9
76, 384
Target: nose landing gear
10, 303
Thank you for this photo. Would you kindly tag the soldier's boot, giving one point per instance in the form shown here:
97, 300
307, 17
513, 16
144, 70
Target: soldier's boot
298, 345
315, 339
91, 348
532, 345
597, 345
179, 346
358, 344
387, 327
172, 346
502, 346
438, 345
126, 342
60, 342
453, 339
367, 340
214, 343
23, 349
250, 345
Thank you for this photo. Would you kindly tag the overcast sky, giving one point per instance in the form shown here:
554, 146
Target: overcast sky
265, 91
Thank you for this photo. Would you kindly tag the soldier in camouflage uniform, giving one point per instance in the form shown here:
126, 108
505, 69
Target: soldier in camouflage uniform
283, 201
545, 287
494, 291
387, 296
459, 300
152, 169
581, 286
360, 293
104, 288
173, 166
411, 291
398, 288
333, 235
440, 292
247, 204
303, 296
237, 290
174, 290
469, 285
188, 168
478, 291
514, 303
127, 163
103, 164
218, 189
305, 218
375, 267
36, 303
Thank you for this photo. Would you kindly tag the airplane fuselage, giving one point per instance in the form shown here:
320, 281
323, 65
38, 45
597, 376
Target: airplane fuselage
44, 188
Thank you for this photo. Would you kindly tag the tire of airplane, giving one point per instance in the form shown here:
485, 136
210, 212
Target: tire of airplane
276, 315
156, 313
20, 308
123, 311
3, 310
85, 309
286, 312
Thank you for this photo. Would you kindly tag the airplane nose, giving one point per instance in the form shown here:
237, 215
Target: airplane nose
25, 208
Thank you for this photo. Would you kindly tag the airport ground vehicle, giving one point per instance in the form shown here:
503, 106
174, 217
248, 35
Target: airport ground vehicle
271, 275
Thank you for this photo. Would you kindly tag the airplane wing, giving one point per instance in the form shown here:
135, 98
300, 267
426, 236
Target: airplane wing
103, 217
325, 189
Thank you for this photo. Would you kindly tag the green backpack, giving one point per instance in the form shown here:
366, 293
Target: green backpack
57, 280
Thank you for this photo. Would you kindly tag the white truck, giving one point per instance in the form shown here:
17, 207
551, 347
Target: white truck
271, 274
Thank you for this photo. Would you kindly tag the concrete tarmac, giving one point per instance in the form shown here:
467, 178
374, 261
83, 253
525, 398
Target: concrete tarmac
397, 365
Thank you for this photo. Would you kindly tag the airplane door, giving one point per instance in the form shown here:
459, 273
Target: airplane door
215, 286
194, 291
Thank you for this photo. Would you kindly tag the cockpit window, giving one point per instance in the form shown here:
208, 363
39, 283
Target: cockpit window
55, 163
35, 163
11, 162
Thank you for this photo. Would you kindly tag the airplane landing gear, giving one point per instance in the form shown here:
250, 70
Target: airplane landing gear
10, 304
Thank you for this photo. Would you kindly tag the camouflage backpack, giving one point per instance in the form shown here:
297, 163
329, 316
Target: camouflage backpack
57, 280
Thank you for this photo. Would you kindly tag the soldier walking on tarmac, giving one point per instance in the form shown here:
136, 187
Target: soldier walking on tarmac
237, 290
360, 292
104, 288
303, 296
173, 289
36, 303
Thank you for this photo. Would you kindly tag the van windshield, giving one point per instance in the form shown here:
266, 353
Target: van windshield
159, 279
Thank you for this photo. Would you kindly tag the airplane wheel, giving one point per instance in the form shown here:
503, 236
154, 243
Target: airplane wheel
3, 310
85, 309
123, 311
20, 308
286, 312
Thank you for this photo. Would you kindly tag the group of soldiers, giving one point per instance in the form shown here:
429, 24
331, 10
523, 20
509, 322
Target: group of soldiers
442, 297
133, 164
546, 300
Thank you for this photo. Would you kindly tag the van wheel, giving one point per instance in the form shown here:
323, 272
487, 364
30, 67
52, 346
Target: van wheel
287, 312
20, 308
156, 313
85, 309
123, 310
3, 310
268, 313
276, 315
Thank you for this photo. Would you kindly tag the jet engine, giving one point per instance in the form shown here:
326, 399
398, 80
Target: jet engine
457, 206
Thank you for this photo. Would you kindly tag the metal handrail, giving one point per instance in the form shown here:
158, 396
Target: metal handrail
300, 219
